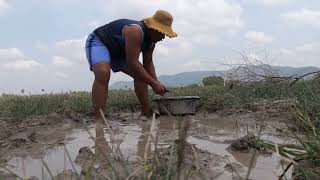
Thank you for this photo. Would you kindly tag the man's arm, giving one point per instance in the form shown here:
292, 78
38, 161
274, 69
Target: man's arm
148, 62
133, 38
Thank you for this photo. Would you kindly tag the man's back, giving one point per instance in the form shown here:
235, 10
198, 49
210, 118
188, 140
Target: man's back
111, 35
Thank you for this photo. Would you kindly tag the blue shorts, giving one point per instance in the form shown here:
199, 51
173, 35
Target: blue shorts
97, 52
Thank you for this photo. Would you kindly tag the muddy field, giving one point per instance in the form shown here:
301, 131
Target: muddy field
57, 145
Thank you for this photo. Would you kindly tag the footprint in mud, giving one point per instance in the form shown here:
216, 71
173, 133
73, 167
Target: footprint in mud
84, 159
33, 136
4, 131
18, 142
22, 139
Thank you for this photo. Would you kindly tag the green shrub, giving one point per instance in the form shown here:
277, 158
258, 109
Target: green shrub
213, 81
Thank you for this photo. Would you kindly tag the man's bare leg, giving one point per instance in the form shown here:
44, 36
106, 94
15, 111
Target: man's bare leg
141, 90
100, 87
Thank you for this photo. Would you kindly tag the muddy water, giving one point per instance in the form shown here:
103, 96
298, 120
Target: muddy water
212, 133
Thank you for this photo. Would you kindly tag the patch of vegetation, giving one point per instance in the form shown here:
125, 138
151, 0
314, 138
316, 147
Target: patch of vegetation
213, 98
33, 105
213, 81
307, 119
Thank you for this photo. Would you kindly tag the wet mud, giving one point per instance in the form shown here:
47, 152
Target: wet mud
219, 144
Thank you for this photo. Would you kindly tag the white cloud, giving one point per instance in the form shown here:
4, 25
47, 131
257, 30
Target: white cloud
204, 39
14, 59
72, 49
307, 48
274, 2
61, 61
71, 43
63, 54
93, 24
303, 55
173, 48
304, 17
206, 17
11, 54
61, 75
287, 52
22, 65
4, 5
259, 38
213, 15
162, 50
41, 47
310, 47
173, 55
194, 65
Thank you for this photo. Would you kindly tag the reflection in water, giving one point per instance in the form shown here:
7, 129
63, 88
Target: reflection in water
102, 148
163, 126
244, 158
145, 129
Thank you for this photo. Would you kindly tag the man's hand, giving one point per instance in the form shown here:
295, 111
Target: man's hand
159, 88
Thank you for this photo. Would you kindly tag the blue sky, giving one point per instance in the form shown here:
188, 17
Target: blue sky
42, 41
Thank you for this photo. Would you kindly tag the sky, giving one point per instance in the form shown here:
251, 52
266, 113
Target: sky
42, 42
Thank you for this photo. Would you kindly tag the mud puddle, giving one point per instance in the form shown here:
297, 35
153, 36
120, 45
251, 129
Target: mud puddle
211, 133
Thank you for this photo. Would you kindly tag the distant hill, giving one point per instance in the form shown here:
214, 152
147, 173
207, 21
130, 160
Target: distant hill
188, 78
181, 79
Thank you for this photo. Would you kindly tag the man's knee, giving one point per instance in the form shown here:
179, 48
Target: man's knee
102, 73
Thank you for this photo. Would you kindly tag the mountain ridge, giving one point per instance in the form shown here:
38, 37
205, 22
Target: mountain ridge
195, 77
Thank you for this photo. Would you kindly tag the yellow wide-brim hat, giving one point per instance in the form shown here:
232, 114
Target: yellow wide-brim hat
162, 22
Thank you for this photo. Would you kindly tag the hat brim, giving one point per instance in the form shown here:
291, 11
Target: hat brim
166, 30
